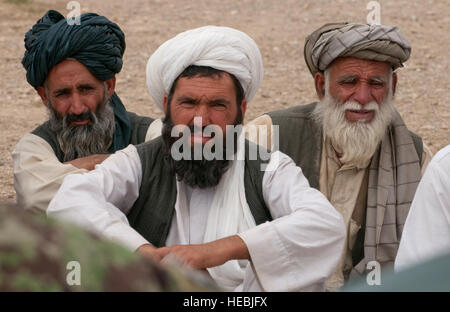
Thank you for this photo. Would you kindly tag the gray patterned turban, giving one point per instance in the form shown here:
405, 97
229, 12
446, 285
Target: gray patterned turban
97, 43
371, 42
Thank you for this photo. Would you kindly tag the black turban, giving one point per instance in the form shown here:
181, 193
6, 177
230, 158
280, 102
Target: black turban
97, 43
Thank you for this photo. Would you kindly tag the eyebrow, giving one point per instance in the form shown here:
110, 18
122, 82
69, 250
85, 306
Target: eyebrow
186, 99
219, 101
378, 79
61, 91
85, 86
194, 100
349, 78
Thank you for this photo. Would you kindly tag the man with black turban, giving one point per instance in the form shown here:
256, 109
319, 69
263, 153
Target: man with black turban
353, 145
73, 68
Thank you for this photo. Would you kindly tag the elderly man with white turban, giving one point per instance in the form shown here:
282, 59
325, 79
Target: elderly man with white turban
251, 230
353, 145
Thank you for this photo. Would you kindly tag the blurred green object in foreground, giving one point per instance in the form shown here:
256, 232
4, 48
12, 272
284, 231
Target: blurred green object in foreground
38, 254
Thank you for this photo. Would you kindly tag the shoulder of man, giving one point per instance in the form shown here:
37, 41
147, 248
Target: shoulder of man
138, 119
38, 254
44, 132
298, 111
140, 125
418, 144
42, 129
150, 149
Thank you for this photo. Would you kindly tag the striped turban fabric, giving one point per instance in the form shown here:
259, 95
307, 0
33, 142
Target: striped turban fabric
96, 42
371, 42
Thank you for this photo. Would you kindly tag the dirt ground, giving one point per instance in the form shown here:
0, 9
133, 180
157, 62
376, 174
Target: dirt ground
279, 27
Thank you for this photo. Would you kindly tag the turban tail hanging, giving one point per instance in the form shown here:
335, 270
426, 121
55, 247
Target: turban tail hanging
372, 42
97, 43
222, 48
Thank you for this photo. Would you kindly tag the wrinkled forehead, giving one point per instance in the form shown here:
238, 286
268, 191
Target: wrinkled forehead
210, 86
70, 70
343, 66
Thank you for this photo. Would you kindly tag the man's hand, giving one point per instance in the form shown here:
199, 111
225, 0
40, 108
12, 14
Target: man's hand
88, 162
204, 256
148, 251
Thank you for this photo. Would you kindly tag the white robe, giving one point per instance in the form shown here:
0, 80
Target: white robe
297, 251
426, 234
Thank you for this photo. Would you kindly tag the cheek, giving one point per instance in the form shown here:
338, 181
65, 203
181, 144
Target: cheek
93, 102
180, 115
222, 119
379, 95
60, 106
340, 93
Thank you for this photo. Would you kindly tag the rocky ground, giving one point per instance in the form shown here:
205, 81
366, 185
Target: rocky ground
278, 26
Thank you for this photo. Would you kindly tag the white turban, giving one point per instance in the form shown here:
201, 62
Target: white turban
222, 48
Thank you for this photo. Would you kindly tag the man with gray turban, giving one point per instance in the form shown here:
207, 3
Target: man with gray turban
250, 229
353, 145
73, 68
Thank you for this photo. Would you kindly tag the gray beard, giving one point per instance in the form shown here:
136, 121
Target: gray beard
84, 140
357, 141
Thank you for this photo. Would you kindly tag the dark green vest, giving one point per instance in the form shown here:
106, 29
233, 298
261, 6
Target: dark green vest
151, 214
301, 139
140, 125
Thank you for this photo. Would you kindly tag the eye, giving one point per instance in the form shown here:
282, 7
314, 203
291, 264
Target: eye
347, 82
86, 88
377, 83
218, 105
61, 94
187, 103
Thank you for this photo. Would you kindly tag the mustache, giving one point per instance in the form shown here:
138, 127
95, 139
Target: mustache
353, 105
79, 117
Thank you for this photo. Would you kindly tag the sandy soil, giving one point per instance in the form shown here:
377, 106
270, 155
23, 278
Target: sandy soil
278, 26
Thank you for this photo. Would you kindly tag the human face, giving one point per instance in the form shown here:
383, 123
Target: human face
211, 98
361, 81
73, 90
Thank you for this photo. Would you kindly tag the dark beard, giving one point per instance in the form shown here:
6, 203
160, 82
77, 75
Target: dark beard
201, 173
84, 140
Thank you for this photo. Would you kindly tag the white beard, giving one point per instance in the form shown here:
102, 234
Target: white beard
357, 141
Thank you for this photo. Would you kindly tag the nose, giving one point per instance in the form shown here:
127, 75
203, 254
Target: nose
202, 111
362, 94
77, 105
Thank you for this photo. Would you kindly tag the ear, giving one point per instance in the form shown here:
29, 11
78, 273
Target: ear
111, 86
166, 98
41, 91
394, 82
243, 107
319, 81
